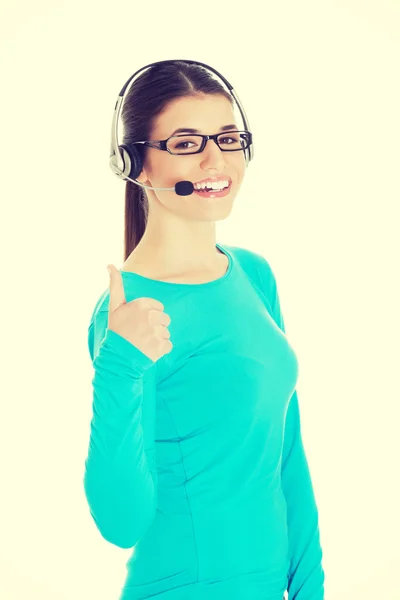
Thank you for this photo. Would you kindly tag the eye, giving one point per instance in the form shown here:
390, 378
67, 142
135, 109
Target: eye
180, 145
229, 138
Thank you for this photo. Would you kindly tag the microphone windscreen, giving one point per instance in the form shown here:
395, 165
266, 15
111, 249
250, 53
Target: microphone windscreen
184, 188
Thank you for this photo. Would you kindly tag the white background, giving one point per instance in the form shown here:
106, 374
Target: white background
320, 85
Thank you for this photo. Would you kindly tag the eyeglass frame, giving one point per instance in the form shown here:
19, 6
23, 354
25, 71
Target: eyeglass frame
163, 143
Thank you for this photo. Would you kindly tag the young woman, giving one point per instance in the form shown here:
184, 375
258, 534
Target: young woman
195, 456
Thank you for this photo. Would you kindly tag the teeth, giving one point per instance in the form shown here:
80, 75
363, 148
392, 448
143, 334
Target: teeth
212, 185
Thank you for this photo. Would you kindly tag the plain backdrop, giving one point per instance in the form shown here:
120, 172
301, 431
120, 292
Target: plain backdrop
320, 85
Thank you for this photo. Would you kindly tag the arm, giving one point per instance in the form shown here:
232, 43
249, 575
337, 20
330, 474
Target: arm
120, 479
306, 576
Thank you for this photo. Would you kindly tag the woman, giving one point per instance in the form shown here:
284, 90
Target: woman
195, 455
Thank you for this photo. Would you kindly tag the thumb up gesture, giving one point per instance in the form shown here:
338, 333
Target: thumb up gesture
142, 321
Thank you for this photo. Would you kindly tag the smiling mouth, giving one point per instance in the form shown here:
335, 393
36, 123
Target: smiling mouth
210, 189
213, 192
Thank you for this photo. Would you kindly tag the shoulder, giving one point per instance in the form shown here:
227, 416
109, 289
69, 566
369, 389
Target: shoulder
259, 271
253, 260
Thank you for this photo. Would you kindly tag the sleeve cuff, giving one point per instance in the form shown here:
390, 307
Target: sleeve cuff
135, 359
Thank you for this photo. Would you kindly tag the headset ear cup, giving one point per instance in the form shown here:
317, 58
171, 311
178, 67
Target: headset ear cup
132, 161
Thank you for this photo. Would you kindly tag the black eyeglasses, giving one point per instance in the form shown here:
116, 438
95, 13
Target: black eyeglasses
229, 141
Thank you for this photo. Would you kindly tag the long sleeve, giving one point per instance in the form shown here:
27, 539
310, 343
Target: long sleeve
306, 576
120, 479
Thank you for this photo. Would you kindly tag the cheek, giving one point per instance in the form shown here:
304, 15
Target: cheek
238, 165
171, 167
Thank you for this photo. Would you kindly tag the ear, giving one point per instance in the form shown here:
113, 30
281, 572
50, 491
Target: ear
142, 178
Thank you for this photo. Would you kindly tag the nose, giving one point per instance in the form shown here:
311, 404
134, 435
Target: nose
212, 155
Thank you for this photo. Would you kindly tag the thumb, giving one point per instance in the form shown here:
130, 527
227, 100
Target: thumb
117, 293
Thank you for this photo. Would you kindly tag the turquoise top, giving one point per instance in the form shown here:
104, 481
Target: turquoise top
197, 460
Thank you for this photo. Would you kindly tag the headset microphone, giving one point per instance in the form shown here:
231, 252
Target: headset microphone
182, 188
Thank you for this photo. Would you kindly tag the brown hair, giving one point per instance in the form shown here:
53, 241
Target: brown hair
146, 99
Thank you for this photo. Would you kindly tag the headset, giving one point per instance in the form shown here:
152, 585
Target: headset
125, 160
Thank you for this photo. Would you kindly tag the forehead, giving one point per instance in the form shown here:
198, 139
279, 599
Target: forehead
206, 113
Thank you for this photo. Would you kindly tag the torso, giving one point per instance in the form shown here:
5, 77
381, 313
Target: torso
188, 277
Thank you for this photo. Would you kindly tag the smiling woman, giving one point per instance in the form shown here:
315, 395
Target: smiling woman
195, 456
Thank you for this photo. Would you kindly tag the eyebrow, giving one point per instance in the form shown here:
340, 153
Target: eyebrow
189, 130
